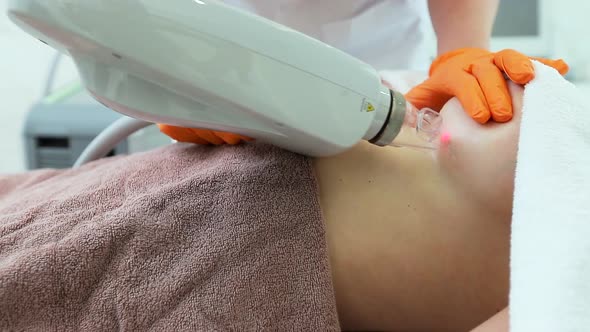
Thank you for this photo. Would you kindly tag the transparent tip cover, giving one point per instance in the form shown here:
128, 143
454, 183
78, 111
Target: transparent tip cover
421, 129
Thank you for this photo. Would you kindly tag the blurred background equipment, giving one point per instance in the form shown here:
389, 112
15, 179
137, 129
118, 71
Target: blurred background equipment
60, 126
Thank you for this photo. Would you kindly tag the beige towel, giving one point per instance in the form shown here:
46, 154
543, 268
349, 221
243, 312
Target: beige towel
180, 238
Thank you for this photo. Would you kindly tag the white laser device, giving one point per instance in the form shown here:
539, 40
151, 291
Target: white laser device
204, 64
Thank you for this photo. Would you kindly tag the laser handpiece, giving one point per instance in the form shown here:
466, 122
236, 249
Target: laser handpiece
205, 64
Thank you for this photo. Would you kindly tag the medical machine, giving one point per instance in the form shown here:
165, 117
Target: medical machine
526, 25
59, 127
204, 64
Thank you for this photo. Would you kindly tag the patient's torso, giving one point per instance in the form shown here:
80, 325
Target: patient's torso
408, 252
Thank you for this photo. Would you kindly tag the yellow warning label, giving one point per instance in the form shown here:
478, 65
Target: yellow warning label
367, 107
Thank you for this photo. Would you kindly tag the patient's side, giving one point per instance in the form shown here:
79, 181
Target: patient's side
417, 241
420, 242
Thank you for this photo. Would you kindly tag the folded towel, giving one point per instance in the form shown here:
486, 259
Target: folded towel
550, 249
181, 238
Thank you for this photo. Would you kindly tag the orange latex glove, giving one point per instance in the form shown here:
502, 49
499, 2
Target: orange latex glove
201, 136
477, 78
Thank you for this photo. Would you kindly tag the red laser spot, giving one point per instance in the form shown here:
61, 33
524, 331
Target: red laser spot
445, 138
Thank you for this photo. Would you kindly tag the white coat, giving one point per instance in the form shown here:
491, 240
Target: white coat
387, 34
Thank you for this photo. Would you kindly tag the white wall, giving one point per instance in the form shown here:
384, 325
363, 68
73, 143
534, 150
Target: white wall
24, 62
571, 20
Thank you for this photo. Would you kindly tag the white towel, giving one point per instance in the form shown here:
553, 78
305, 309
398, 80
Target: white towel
550, 249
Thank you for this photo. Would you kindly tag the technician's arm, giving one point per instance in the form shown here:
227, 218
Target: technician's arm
463, 23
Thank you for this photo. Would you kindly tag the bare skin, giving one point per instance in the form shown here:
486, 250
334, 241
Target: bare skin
420, 242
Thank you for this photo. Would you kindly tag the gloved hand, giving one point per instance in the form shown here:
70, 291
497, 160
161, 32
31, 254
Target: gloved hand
201, 136
477, 78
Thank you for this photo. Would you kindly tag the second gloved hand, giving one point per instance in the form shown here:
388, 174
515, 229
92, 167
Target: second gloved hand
201, 136
477, 77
